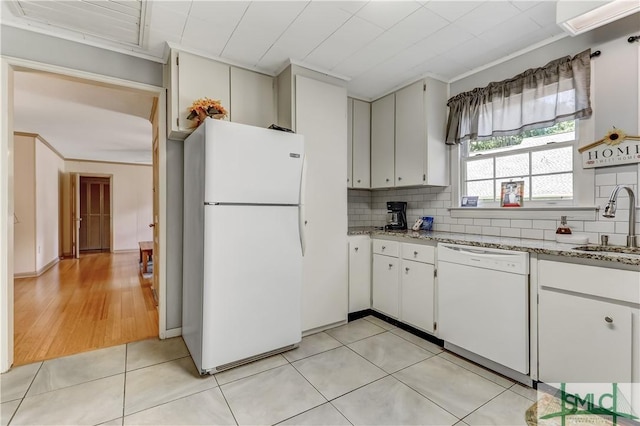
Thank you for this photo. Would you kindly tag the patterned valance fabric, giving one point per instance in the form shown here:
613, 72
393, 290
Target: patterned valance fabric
536, 98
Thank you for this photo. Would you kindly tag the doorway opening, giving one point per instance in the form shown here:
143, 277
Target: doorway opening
98, 211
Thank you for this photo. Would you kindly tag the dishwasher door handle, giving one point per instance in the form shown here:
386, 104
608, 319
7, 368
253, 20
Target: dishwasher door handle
480, 252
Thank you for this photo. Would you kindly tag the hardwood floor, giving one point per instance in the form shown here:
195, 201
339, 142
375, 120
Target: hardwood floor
96, 301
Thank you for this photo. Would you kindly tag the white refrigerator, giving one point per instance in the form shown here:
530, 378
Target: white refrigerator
243, 243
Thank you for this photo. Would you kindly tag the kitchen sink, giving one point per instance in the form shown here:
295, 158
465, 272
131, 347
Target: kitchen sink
610, 249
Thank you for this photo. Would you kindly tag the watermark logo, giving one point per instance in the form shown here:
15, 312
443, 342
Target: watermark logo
608, 404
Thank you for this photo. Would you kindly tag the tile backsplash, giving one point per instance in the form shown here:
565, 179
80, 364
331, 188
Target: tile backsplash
368, 208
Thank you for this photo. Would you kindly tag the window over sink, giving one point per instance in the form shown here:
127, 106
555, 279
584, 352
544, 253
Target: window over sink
542, 158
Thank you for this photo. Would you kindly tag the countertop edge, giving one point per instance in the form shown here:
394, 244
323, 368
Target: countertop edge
546, 247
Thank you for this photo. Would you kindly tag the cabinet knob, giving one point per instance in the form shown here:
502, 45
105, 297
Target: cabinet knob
348, 179
415, 254
387, 180
406, 270
358, 180
609, 320
356, 249
384, 247
399, 178
390, 265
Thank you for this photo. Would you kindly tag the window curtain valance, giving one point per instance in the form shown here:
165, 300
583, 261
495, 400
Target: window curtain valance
537, 98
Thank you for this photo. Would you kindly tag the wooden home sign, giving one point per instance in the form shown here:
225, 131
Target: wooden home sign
614, 149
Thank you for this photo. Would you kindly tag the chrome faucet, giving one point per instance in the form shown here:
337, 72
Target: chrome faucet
610, 211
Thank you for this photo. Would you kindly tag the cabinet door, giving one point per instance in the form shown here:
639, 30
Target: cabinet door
252, 98
359, 273
321, 116
199, 77
361, 144
583, 340
410, 134
417, 300
350, 143
386, 285
382, 142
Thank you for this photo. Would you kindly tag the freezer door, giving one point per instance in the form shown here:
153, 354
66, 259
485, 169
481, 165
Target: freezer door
252, 282
251, 165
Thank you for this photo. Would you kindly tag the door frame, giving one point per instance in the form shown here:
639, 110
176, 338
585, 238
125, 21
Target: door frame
7, 67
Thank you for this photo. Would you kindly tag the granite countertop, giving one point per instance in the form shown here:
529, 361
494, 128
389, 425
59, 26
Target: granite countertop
507, 243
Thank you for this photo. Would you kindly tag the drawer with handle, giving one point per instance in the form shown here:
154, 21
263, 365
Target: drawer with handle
418, 252
388, 248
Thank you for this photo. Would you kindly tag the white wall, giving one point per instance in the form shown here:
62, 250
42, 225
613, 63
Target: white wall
49, 168
24, 260
132, 195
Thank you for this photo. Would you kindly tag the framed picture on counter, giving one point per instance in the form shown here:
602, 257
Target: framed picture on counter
512, 194
469, 201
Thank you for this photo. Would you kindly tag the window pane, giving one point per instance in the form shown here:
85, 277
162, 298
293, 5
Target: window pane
480, 169
482, 188
512, 165
552, 186
552, 161
527, 186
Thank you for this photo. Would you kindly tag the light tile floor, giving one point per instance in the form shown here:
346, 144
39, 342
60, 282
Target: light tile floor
364, 373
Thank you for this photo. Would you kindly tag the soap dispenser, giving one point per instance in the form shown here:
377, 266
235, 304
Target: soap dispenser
563, 228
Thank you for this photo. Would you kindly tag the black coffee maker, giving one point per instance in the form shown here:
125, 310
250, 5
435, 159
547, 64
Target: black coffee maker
396, 215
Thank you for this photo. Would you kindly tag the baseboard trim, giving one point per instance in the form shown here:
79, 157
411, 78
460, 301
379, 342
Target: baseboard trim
406, 327
323, 328
34, 274
174, 332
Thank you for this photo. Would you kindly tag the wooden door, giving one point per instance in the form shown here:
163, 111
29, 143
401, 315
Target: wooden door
75, 215
95, 213
156, 200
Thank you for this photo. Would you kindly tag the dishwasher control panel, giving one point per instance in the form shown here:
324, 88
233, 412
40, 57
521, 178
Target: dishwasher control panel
516, 262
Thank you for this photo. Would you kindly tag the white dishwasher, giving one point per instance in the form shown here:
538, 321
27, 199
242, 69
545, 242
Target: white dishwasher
483, 306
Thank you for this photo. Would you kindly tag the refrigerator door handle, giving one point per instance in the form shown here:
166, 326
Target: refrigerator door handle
301, 220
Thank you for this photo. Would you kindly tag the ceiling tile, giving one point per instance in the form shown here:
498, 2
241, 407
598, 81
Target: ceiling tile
487, 16
543, 14
316, 22
156, 41
372, 54
415, 27
180, 7
353, 35
167, 20
470, 52
447, 38
218, 12
525, 4
348, 5
442, 66
197, 33
516, 28
386, 14
262, 24
452, 10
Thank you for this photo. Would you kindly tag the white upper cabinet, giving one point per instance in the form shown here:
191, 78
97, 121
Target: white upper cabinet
358, 144
410, 136
193, 77
248, 97
409, 144
252, 98
382, 142
349, 143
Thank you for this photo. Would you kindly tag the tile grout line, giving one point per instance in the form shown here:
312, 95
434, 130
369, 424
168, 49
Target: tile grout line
25, 393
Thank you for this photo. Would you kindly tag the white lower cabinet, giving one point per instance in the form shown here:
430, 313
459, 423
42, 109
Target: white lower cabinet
417, 302
386, 285
583, 340
403, 282
359, 273
588, 322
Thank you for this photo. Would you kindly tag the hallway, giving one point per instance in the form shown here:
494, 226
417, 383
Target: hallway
97, 301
